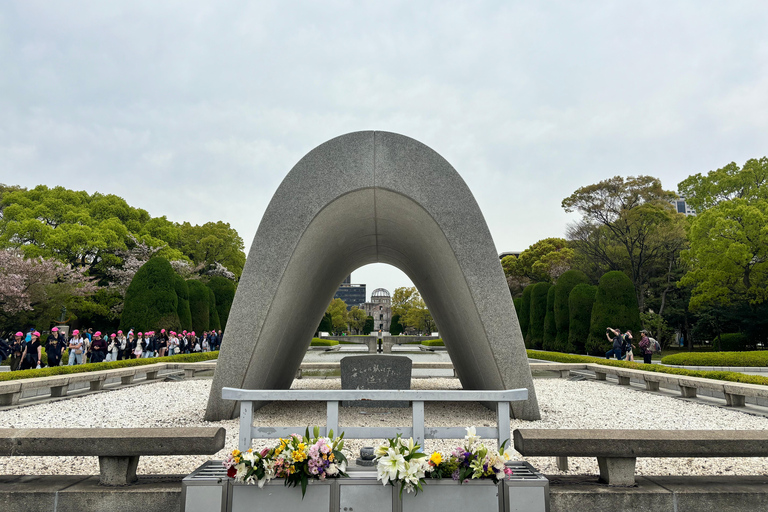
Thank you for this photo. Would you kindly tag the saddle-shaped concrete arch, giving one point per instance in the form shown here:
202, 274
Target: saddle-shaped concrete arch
362, 198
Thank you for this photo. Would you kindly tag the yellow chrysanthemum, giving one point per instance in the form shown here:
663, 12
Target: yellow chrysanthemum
436, 458
330, 457
235, 453
298, 455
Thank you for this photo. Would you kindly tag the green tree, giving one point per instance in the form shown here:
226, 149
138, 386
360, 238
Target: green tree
368, 327
729, 254
616, 307
337, 309
418, 316
224, 291
356, 318
535, 337
151, 301
565, 283
626, 225
182, 293
394, 326
403, 299
524, 315
543, 261
326, 324
580, 303
213, 242
213, 314
198, 306
550, 329
725, 184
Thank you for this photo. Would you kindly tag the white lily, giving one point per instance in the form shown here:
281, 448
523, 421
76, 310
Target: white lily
471, 436
390, 465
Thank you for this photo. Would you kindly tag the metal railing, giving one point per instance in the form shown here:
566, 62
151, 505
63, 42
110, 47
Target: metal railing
418, 431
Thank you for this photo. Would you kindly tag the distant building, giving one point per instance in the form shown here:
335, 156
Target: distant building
380, 308
682, 207
351, 294
513, 253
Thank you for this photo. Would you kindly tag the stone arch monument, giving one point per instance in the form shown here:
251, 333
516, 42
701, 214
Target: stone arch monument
362, 198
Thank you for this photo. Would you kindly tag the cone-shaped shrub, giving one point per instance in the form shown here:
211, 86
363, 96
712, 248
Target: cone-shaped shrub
394, 326
213, 314
615, 306
580, 302
535, 337
565, 283
182, 292
524, 314
550, 331
198, 306
518, 302
224, 290
150, 300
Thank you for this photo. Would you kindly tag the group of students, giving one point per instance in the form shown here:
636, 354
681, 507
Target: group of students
25, 352
622, 345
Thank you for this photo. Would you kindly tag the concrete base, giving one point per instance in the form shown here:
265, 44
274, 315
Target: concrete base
651, 385
152, 375
617, 470
659, 494
600, 376
126, 380
58, 391
10, 398
118, 470
623, 381
687, 392
96, 385
78, 493
735, 400
562, 463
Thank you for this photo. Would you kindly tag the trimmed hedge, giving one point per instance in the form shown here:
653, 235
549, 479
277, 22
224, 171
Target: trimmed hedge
751, 358
715, 375
565, 284
150, 300
615, 306
224, 290
580, 303
550, 330
535, 337
112, 365
213, 314
734, 341
198, 306
524, 315
182, 293
433, 343
320, 342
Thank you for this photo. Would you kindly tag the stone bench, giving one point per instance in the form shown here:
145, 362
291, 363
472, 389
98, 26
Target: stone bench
563, 368
618, 450
190, 369
118, 449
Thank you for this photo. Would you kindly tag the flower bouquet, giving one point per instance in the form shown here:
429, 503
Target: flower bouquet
402, 462
472, 460
297, 459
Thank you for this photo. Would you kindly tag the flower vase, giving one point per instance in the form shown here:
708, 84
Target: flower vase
448, 494
276, 497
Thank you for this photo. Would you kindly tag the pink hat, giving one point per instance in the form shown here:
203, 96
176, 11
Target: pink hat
75, 332
97, 333
20, 334
184, 331
55, 329
162, 330
139, 333
36, 334
192, 333
119, 332
112, 335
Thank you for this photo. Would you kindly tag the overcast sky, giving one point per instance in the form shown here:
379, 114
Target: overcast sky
197, 110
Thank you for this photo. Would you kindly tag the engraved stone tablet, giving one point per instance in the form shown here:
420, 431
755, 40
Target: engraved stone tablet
376, 372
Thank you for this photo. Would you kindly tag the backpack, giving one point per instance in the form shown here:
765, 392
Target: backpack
654, 346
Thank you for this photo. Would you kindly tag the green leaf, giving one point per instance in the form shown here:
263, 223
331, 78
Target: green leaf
303, 485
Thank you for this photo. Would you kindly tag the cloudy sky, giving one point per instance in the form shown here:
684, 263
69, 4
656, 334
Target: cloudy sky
196, 110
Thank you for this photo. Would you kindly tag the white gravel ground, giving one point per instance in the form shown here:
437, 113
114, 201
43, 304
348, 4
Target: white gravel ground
564, 404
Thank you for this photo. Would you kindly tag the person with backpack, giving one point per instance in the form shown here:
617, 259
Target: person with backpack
617, 340
17, 347
646, 347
